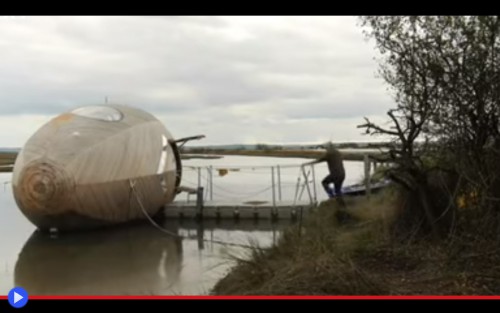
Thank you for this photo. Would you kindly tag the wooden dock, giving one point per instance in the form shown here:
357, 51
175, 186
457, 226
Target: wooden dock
233, 210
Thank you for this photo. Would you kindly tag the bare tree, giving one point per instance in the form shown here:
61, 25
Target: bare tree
444, 74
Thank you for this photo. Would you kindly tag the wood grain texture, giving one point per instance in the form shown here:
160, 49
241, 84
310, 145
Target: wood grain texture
75, 172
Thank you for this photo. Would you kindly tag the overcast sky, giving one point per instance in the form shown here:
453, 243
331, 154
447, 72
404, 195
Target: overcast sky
234, 79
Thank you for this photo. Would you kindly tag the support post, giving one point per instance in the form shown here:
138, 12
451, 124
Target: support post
279, 183
200, 235
199, 177
199, 203
296, 190
306, 177
273, 188
314, 184
211, 182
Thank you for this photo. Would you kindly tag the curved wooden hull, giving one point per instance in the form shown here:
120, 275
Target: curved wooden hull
76, 171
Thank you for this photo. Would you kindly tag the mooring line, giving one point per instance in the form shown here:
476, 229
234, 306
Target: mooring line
166, 231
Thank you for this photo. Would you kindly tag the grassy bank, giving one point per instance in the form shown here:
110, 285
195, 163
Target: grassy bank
7, 160
335, 252
352, 155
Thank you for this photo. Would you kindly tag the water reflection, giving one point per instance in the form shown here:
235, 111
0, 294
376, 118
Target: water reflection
133, 260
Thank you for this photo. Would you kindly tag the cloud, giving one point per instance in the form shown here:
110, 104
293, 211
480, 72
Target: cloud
238, 78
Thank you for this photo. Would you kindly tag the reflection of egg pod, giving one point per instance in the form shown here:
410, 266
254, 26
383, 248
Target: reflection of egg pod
75, 171
133, 260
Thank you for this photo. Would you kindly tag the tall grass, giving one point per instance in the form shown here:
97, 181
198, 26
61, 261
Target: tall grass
352, 252
318, 256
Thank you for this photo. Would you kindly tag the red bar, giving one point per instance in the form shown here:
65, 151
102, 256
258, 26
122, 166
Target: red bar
261, 297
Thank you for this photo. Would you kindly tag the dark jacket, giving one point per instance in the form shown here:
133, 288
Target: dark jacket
333, 158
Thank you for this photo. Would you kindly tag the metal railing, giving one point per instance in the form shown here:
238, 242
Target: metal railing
305, 181
204, 177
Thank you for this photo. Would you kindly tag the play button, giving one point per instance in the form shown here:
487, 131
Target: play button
18, 297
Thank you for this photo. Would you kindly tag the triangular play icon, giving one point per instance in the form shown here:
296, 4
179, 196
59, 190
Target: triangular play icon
17, 297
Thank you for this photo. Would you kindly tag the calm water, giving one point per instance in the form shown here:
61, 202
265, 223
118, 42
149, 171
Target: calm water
140, 259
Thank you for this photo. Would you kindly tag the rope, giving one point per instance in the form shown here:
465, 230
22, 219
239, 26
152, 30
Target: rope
132, 187
242, 194
236, 167
215, 193
283, 184
162, 229
249, 195
238, 195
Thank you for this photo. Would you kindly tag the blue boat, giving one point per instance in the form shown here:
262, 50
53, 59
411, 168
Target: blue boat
360, 189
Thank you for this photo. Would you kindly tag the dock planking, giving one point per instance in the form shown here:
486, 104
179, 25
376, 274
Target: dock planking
236, 210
